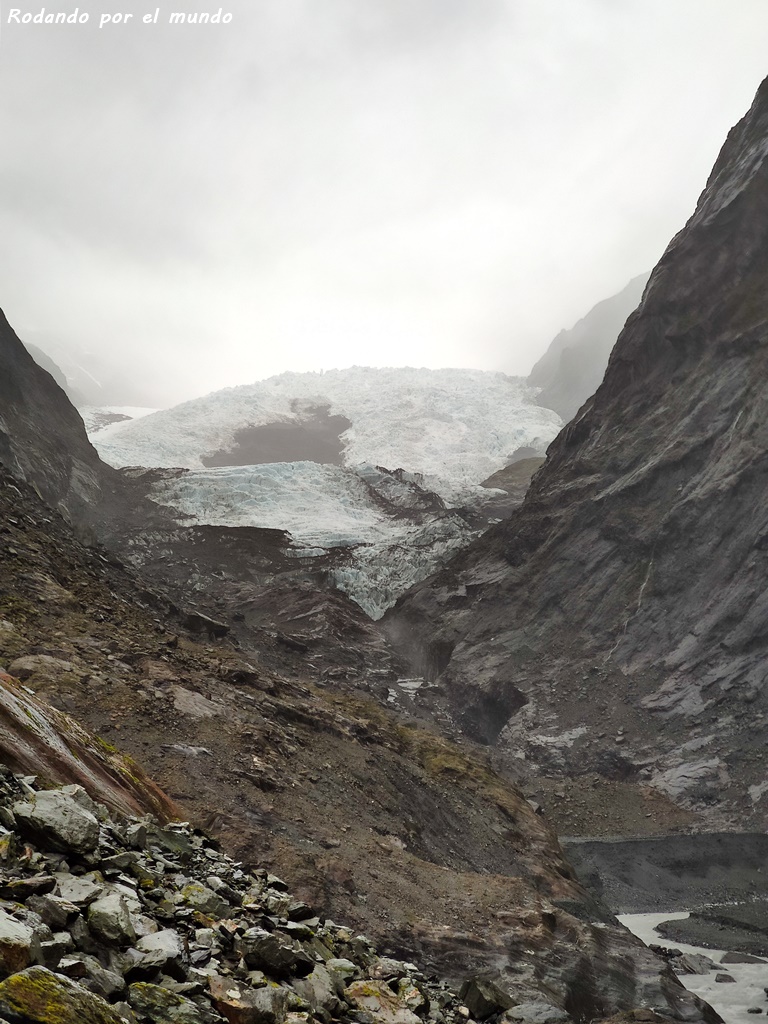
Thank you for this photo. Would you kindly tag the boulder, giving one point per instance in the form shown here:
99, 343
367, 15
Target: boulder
81, 890
57, 821
19, 946
37, 996
378, 999
321, 990
741, 958
38, 665
20, 889
279, 957
109, 920
242, 1005
694, 963
536, 1013
52, 910
483, 998
162, 1006
205, 900
162, 951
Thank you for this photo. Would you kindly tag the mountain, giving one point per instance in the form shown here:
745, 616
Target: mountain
571, 369
43, 440
611, 632
277, 741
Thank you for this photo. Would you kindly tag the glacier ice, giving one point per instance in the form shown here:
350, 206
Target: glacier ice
420, 444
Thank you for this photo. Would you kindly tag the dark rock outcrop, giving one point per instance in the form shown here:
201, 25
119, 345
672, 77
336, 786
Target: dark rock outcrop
42, 438
626, 599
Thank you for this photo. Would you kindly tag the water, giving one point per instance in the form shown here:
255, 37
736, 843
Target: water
730, 1000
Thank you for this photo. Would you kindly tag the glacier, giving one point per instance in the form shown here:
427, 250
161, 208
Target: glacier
453, 427
412, 463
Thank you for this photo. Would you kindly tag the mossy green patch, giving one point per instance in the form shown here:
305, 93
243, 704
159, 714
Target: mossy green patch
41, 997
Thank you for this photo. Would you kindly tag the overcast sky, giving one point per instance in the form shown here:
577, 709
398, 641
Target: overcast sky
327, 182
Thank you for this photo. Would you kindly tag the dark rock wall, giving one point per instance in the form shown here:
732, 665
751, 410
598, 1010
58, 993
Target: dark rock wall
42, 438
632, 582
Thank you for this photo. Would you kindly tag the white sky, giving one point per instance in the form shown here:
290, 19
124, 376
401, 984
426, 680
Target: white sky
329, 182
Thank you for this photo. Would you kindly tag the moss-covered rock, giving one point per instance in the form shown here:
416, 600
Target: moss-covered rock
161, 1006
37, 996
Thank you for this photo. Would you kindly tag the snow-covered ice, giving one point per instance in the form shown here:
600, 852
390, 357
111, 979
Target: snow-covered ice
98, 417
455, 427
447, 430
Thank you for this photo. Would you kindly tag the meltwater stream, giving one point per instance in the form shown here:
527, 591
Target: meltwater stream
732, 1000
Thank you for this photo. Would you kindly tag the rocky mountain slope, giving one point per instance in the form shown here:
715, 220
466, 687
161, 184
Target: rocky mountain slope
613, 628
126, 921
284, 747
571, 369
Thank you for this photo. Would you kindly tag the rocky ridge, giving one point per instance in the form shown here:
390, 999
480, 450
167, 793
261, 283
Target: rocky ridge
612, 628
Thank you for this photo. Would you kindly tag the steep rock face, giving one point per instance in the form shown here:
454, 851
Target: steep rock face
42, 438
571, 369
622, 609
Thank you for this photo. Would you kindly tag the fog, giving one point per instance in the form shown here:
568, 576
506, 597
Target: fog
321, 183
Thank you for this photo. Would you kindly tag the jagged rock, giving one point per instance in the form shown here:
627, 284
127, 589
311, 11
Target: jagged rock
536, 1013
265, 951
162, 1006
643, 514
22, 888
378, 999
109, 920
19, 946
321, 990
241, 1005
80, 891
724, 978
37, 996
201, 898
483, 998
55, 819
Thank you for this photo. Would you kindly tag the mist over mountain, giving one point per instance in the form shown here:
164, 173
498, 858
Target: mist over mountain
571, 369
